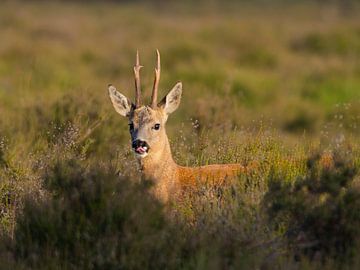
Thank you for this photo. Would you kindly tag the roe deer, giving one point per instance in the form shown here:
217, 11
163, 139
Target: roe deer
151, 145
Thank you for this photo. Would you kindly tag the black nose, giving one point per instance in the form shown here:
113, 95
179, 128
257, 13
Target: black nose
139, 143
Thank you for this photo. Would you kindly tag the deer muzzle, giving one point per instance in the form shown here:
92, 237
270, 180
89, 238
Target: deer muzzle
140, 147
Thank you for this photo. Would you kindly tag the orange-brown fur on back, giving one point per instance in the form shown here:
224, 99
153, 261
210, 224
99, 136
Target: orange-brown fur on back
171, 179
215, 174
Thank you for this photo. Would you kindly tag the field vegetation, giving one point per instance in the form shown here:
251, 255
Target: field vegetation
273, 85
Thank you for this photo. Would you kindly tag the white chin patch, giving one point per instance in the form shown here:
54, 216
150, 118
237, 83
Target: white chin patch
141, 155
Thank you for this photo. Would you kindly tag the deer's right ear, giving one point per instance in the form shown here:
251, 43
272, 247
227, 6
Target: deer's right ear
121, 103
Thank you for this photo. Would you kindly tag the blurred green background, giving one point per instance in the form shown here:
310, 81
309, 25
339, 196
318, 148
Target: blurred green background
292, 65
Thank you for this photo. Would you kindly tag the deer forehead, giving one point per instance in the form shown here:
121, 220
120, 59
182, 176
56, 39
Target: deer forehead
145, 115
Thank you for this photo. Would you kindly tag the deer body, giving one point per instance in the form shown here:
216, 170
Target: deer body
171, 179
151, 145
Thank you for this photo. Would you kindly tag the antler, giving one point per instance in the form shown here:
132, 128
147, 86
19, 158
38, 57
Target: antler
137, 68
156, 82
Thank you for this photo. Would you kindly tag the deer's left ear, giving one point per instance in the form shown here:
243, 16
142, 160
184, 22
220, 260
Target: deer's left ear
172, 100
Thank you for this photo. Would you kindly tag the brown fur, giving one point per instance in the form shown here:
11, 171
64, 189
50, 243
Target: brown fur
171, 179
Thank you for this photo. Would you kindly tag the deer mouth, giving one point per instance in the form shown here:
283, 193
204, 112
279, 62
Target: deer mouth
141, 148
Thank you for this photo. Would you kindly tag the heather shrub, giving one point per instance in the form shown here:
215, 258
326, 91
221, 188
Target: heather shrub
93, 219
320, 213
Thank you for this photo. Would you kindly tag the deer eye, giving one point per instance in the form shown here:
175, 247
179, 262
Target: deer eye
156, 127
131, 126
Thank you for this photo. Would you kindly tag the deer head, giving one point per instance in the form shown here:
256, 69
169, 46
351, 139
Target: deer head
147, 122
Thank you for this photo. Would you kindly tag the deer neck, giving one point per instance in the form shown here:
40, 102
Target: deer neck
159, 166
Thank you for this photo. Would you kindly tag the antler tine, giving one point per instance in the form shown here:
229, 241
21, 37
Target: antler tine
156, 82
137, 68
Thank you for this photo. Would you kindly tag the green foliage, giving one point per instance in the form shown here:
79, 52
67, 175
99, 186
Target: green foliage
258, 57
341, 43
300, 121
329, 90
92, 220
320, 211
243, 93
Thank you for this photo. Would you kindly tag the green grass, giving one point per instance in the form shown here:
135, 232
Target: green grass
272, 85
